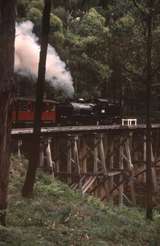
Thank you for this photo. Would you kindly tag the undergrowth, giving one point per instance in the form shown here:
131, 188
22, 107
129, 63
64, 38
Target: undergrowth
56, 215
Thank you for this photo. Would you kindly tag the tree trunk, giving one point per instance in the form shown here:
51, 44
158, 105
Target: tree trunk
149, 204
148, 15
7, 36
27, 190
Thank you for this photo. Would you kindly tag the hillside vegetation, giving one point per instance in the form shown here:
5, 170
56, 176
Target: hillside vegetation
56, 215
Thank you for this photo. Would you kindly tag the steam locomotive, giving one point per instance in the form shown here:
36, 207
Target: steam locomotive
78, 112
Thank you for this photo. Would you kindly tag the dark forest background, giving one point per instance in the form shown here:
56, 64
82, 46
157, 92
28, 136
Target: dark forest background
103, 44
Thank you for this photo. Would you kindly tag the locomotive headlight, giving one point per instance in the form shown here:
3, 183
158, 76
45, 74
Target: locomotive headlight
103, 111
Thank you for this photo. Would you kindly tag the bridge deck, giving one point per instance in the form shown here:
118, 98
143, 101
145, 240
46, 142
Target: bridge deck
58, 130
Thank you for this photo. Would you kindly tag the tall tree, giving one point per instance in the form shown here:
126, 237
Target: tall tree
149, 10
149, 19
7, 36
35, 151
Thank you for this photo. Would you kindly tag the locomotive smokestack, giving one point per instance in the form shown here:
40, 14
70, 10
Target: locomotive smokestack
27, 58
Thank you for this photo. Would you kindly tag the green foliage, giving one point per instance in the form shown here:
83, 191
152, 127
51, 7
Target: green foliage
60, 12
83, 49
58, 216
10, 236
56, 35
124, 24
56, 24
37, 4
29, 9
92, 23
104, 46
34, 14
22, 8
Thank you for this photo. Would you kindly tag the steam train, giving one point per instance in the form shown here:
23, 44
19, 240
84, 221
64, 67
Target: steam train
78, 112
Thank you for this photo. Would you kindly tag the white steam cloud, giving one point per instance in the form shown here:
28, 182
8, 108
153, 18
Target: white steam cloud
27, 59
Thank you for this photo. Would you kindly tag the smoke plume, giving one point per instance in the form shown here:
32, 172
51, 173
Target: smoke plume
27, 58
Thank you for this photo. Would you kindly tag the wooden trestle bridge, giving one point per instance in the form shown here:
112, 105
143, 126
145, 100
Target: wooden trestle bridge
107, 161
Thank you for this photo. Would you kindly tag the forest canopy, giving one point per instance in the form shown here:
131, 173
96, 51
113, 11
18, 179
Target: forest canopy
103, 44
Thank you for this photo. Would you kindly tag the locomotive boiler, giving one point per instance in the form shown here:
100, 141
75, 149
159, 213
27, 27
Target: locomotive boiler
80, 112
